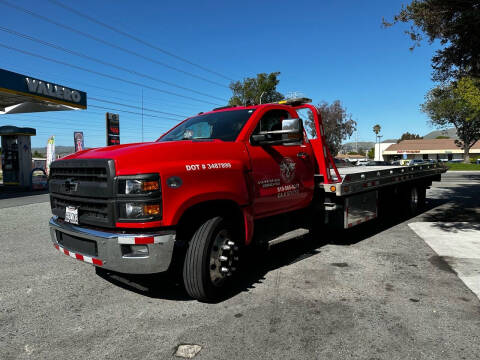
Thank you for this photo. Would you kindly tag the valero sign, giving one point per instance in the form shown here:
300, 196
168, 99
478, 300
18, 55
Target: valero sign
28, 86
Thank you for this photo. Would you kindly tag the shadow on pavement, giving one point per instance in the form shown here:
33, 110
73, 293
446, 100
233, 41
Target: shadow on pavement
455, 205
460, 211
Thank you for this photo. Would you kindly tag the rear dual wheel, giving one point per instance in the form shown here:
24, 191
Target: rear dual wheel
415, 199
211, 260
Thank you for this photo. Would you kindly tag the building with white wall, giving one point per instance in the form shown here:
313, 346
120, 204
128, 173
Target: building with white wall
436, 149
379, 149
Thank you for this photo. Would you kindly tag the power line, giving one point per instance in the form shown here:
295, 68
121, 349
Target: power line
131, 112
131, 52
133, 37
76, 53
103, 74
136, 107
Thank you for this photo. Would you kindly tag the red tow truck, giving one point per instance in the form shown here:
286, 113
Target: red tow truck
213, 184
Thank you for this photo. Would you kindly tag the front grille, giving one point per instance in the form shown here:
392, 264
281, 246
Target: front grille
87, 184
90, 211
84, 174
91, 178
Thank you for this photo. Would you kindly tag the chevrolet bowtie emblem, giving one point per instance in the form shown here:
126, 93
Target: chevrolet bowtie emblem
70, 186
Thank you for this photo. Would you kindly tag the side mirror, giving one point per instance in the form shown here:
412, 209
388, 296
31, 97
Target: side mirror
292, 132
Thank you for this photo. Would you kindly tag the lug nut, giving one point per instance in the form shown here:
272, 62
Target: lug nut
235, 258
233, 268
223, 258
224, 270
226, 247
230, 242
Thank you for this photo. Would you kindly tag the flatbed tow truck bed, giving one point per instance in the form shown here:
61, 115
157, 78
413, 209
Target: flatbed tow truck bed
355, 198
364, 178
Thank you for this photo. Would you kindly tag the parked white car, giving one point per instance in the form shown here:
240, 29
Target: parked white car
362, 162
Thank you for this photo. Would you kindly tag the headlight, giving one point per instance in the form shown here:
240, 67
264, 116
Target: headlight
132, 210
149, 184
139, 198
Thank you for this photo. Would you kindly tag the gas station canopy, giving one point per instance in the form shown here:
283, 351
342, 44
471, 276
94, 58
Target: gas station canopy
25, 94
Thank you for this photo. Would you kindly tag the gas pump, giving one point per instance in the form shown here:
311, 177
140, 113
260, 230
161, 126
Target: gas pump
16, 155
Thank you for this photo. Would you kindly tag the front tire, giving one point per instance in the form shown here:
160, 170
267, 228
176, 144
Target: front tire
211, 259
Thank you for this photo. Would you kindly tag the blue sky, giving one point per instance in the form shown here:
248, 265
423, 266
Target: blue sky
327, 50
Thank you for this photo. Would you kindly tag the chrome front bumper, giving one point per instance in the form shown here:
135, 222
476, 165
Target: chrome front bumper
111, 245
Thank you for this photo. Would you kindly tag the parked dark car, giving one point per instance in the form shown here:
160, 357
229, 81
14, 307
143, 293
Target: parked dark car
378, 163
340, 163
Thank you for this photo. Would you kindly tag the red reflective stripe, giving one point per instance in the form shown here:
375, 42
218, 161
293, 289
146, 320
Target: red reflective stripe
97, 262
56, 246
144, 240
79, 257
66, 252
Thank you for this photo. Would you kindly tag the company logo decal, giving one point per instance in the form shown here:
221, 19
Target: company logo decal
287, 170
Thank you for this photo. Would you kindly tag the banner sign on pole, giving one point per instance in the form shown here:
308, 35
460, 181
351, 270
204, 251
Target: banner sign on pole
113, 129
78, 140
50, 153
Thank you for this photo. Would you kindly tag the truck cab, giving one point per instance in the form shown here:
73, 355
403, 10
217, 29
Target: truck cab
201, 185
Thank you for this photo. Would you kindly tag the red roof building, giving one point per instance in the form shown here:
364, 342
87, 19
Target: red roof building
436, 149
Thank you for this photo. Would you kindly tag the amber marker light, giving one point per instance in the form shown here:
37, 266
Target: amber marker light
151, 209
150, 185
333, 188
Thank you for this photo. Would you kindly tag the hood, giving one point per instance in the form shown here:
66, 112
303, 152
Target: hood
152, 156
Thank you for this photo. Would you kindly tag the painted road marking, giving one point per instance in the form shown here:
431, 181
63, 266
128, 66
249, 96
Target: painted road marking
458, 243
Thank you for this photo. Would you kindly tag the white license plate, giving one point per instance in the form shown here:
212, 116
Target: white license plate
71, 214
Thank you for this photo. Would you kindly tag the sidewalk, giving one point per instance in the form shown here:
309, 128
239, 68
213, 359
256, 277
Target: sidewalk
452, 229
458, 244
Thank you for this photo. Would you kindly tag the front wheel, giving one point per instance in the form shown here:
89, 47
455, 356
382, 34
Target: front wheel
211, 260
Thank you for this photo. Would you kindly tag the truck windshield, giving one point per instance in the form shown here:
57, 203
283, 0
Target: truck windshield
222, 125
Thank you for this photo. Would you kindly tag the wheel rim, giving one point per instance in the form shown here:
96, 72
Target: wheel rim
223, 258
414, 198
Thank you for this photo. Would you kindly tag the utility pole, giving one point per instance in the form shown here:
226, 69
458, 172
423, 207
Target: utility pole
356, 141
376, 130
142, 114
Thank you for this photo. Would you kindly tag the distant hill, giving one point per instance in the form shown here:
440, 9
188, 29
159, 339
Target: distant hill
451, 133
59, 150
363, 145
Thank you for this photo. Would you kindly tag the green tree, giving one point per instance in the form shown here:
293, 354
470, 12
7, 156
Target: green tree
456, 24
259, 90
457, 104
408, 136
442, 137
36, 154
337, 123
371, 153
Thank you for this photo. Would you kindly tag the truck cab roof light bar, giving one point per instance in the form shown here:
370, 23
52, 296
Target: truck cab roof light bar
295, 101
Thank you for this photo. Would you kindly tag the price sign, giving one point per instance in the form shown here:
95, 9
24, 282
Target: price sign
113, 129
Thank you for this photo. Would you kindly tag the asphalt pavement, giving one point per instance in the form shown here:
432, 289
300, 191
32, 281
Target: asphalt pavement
378, 291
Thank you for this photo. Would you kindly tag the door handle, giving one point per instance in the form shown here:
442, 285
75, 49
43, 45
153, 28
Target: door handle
302, 155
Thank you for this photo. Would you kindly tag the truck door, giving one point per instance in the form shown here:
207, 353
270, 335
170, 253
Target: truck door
283, 174
324, 164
